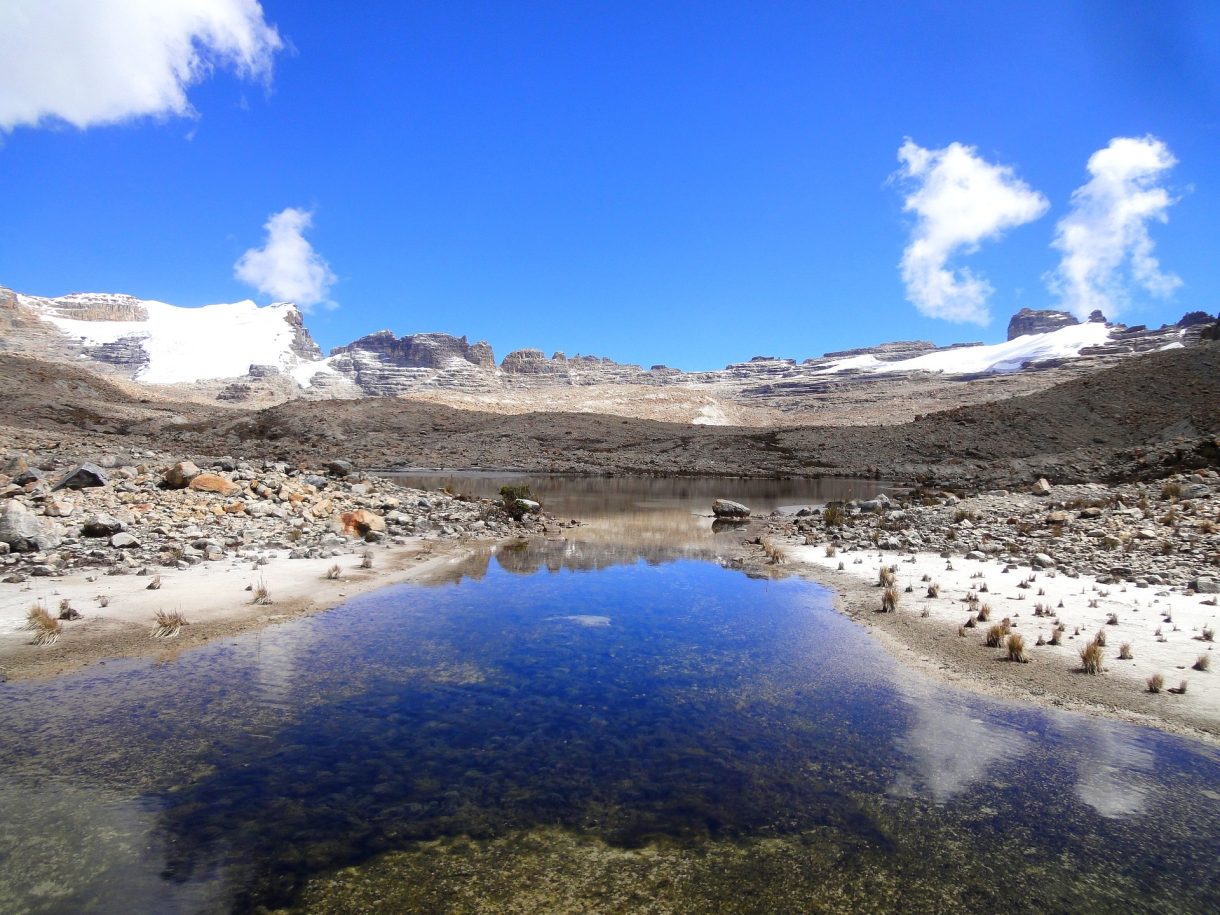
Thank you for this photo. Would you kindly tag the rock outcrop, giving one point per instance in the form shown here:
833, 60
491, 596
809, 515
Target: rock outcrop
1039, 321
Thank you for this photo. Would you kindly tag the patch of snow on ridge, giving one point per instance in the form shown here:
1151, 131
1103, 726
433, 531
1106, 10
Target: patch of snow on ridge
304, 373
196, 344
996, 358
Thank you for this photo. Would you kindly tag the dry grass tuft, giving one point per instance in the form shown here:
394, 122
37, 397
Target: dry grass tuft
1124, 652
45, 627
1155, 683
169, 624
995, 635
1112, 619
333, 572
885, 577
155, 584
67, 611
1016, 648
984, 613
831, 551
934, 590
1091, 657
261, 593
1207, 634
889, 599
833, 515
970, 623
1100, 638
774, 552
366, 560
1202, 663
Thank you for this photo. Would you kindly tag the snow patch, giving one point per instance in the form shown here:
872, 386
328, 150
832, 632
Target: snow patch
196, 344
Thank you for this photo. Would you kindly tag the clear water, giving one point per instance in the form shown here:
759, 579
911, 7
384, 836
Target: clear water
670, 737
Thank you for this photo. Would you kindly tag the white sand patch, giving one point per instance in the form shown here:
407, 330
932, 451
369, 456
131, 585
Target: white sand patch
1141, 613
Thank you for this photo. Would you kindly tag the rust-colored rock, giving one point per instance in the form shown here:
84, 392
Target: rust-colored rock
213, 482
359, 522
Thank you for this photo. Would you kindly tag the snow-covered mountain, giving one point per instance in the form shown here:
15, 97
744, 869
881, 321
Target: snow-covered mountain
156, 343
245, 353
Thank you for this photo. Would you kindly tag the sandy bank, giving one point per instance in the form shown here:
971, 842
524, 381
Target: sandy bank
216, 598
1164, 629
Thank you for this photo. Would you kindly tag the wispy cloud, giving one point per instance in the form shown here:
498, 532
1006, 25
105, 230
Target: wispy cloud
1104, 238
959, 200
88, 63
287, 268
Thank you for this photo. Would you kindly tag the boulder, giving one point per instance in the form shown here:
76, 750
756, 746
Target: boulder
340, 468
1041, 488
14, 465
180, 475
1195, 491
724, 508
124, 541
528, 505
24, 531
101, 526
214, 482
83, 476
360, 522
27, 476
1206, 586
1042, 561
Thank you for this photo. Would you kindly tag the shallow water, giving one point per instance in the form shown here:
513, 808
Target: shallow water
668, 737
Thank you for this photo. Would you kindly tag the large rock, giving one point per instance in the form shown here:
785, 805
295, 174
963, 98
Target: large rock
214, 482
360, 522
339, 468
83, 476
1041, 488
180, 475
724, 508
102, 525
1206, 585
24, 531
1034, 321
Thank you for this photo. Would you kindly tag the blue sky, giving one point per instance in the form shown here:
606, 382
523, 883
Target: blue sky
680, 183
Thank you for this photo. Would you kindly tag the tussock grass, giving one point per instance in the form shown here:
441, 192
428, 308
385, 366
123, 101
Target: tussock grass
984, 613
67, 611
1155, 683
831, 551
889, 599
970, 623
1202, 663
774, 552
366, 560
995, 635
1057, 636
1091, 657
103, 600
155, 584
934, 590
1124, 652
983, 588
1207, 634
45, 627
1112, 619
168, 624
333, 572
1016, 648
1100, 638
885, 577
262, 595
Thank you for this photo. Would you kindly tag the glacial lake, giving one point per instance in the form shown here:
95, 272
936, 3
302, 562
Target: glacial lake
579, 727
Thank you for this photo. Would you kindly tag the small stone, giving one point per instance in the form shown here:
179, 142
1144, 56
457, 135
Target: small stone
83, 476
124, 541
1041, 488
101, 526
180, 475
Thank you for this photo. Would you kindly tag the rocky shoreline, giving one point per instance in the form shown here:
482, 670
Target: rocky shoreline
1135, 567
170, 535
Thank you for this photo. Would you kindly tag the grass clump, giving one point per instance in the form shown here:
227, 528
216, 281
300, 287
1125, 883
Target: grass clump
833, 515
984, 613
366, 560
885, 577
332, 574
45, 627
67, 611
1016, 648
510, 500
1207, 634
774, 552
1202, 663
889, 599
934, 590
831, 551
262, 595
168, 624
1155, 683
995, 635
1124, 652
1091, 657
155, 584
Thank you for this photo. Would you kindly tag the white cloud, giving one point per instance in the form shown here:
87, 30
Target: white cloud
1104, 239
87, 62
959, 200
287, 268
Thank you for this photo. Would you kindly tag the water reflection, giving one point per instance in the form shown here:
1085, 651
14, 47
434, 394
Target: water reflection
675, 706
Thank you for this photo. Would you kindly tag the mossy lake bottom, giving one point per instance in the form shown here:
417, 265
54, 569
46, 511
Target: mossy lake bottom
641, 737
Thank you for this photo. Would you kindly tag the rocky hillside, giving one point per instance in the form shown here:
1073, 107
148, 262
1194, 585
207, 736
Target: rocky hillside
245, 355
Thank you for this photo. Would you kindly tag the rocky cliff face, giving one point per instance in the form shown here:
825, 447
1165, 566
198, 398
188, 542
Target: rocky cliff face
1033, 321
382, 364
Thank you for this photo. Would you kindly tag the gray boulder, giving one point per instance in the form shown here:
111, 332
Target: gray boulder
124, 541
26, 532
340, 468
102, 526
1206, 586
83, 476
725, 508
